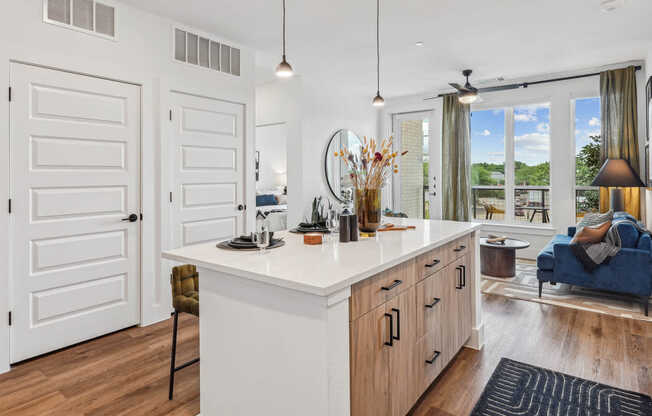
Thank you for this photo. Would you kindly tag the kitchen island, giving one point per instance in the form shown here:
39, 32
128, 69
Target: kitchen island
360, 328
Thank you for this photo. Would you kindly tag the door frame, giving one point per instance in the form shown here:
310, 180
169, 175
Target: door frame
434, 165
8, 183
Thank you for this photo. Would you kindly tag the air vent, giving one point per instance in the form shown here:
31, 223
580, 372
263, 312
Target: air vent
88, 16
200, 51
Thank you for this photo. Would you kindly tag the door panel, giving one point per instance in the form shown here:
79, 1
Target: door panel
75, 174
449, 312
370, 386
207, 148
403, 377
464, 303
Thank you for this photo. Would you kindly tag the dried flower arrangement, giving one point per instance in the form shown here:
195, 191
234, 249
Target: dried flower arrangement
371, 169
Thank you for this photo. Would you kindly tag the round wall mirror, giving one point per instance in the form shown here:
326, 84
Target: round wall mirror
335, 169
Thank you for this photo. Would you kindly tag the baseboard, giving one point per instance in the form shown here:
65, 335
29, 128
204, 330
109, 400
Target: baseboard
476, 340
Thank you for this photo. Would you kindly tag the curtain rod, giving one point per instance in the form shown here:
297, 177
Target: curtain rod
545, 81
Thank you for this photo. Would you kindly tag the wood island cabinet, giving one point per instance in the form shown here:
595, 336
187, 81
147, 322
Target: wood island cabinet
406, 324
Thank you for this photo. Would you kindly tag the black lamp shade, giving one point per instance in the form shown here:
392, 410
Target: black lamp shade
617, 172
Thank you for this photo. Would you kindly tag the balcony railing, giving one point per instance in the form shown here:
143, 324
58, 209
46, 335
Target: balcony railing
587, 199
531, 204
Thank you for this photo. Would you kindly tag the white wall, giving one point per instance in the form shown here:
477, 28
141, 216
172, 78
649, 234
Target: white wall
142, 55
559, 95
312, 110
648, 192
271, 144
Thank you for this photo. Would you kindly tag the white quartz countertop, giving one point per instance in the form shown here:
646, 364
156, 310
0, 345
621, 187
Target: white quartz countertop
328, 268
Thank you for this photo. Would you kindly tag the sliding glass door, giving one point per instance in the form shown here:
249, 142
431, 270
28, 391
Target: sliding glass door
414, 187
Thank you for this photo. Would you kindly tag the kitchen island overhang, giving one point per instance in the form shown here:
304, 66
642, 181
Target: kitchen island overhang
275, 327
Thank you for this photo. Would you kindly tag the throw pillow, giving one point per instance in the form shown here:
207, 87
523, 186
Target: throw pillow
591, 234
593, 219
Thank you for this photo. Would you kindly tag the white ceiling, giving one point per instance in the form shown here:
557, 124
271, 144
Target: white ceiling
334, 40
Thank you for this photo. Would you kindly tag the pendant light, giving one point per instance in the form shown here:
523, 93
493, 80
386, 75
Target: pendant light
284, 69
378, 100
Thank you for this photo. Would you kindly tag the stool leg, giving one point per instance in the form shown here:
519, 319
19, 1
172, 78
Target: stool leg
174, 353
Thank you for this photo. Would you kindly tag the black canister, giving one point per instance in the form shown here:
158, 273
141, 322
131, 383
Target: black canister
353, 227
345, 224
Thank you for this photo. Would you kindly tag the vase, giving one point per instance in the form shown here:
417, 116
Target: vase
367, 206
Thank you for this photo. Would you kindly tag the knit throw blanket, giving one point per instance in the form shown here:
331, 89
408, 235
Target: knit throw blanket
592, 255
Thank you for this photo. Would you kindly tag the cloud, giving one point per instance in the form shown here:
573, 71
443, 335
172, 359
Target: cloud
532, 148
485, 133
525, 117
594, 122
501, 154
543, 127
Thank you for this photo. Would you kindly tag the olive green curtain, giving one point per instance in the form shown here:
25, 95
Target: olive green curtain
456, 160
619, 131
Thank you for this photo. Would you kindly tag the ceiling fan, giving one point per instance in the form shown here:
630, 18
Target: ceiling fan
468, 94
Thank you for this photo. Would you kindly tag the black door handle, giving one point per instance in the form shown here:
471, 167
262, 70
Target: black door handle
432, 360
434, 263
242, 207
393, 285
398, 324
434, 302
390, 343
131, 218
459, 269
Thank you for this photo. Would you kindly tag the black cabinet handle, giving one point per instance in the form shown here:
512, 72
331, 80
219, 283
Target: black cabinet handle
393, 285
460, 248
434, 263
463, 275
434, 357
390, 343
459, 269
398, 324
434, 302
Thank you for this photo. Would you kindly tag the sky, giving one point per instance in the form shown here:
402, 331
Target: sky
531, 131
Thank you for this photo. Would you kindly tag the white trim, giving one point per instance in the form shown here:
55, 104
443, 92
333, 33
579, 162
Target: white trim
71, 26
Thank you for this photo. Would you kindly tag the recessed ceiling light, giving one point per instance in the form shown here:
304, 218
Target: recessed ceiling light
419, 43
611, 5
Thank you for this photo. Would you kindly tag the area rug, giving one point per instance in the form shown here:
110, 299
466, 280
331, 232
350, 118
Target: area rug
524, 285
521, 389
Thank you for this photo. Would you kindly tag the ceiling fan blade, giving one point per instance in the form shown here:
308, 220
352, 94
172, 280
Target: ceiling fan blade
457, 86
500, 88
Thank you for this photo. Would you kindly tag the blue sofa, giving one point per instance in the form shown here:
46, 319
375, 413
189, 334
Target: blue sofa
630, 271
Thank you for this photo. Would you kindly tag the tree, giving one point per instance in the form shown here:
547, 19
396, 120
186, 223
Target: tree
587, 165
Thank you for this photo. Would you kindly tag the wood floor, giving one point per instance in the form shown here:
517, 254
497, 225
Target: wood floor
126, 373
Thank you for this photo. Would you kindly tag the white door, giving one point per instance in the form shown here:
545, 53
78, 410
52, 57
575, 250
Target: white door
75, 174
207, 143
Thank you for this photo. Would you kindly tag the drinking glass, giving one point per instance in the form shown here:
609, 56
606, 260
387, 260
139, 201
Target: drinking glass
333, 223
262, 239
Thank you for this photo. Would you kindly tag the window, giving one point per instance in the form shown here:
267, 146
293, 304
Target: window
488, 164
87, 16
587, 155
510, 172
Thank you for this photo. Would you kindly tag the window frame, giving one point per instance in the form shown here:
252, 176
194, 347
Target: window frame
510, 187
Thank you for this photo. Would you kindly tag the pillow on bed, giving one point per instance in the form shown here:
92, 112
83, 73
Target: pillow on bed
264, 200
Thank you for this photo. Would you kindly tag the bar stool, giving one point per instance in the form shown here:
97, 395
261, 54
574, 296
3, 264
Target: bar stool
185, 298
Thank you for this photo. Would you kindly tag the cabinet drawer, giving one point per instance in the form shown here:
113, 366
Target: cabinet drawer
378, 289
429, 359
458, 248
430, 296
431, 262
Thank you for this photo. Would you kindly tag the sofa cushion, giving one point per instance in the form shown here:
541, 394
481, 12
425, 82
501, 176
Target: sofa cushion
628, 234
546, 258
591, 234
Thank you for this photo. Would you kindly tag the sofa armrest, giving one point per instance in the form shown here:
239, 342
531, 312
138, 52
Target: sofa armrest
571, 231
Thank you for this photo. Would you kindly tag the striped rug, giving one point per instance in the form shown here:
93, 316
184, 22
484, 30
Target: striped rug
520, 389
525, 286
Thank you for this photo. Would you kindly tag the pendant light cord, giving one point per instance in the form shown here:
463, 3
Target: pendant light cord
377, 45
283, 29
